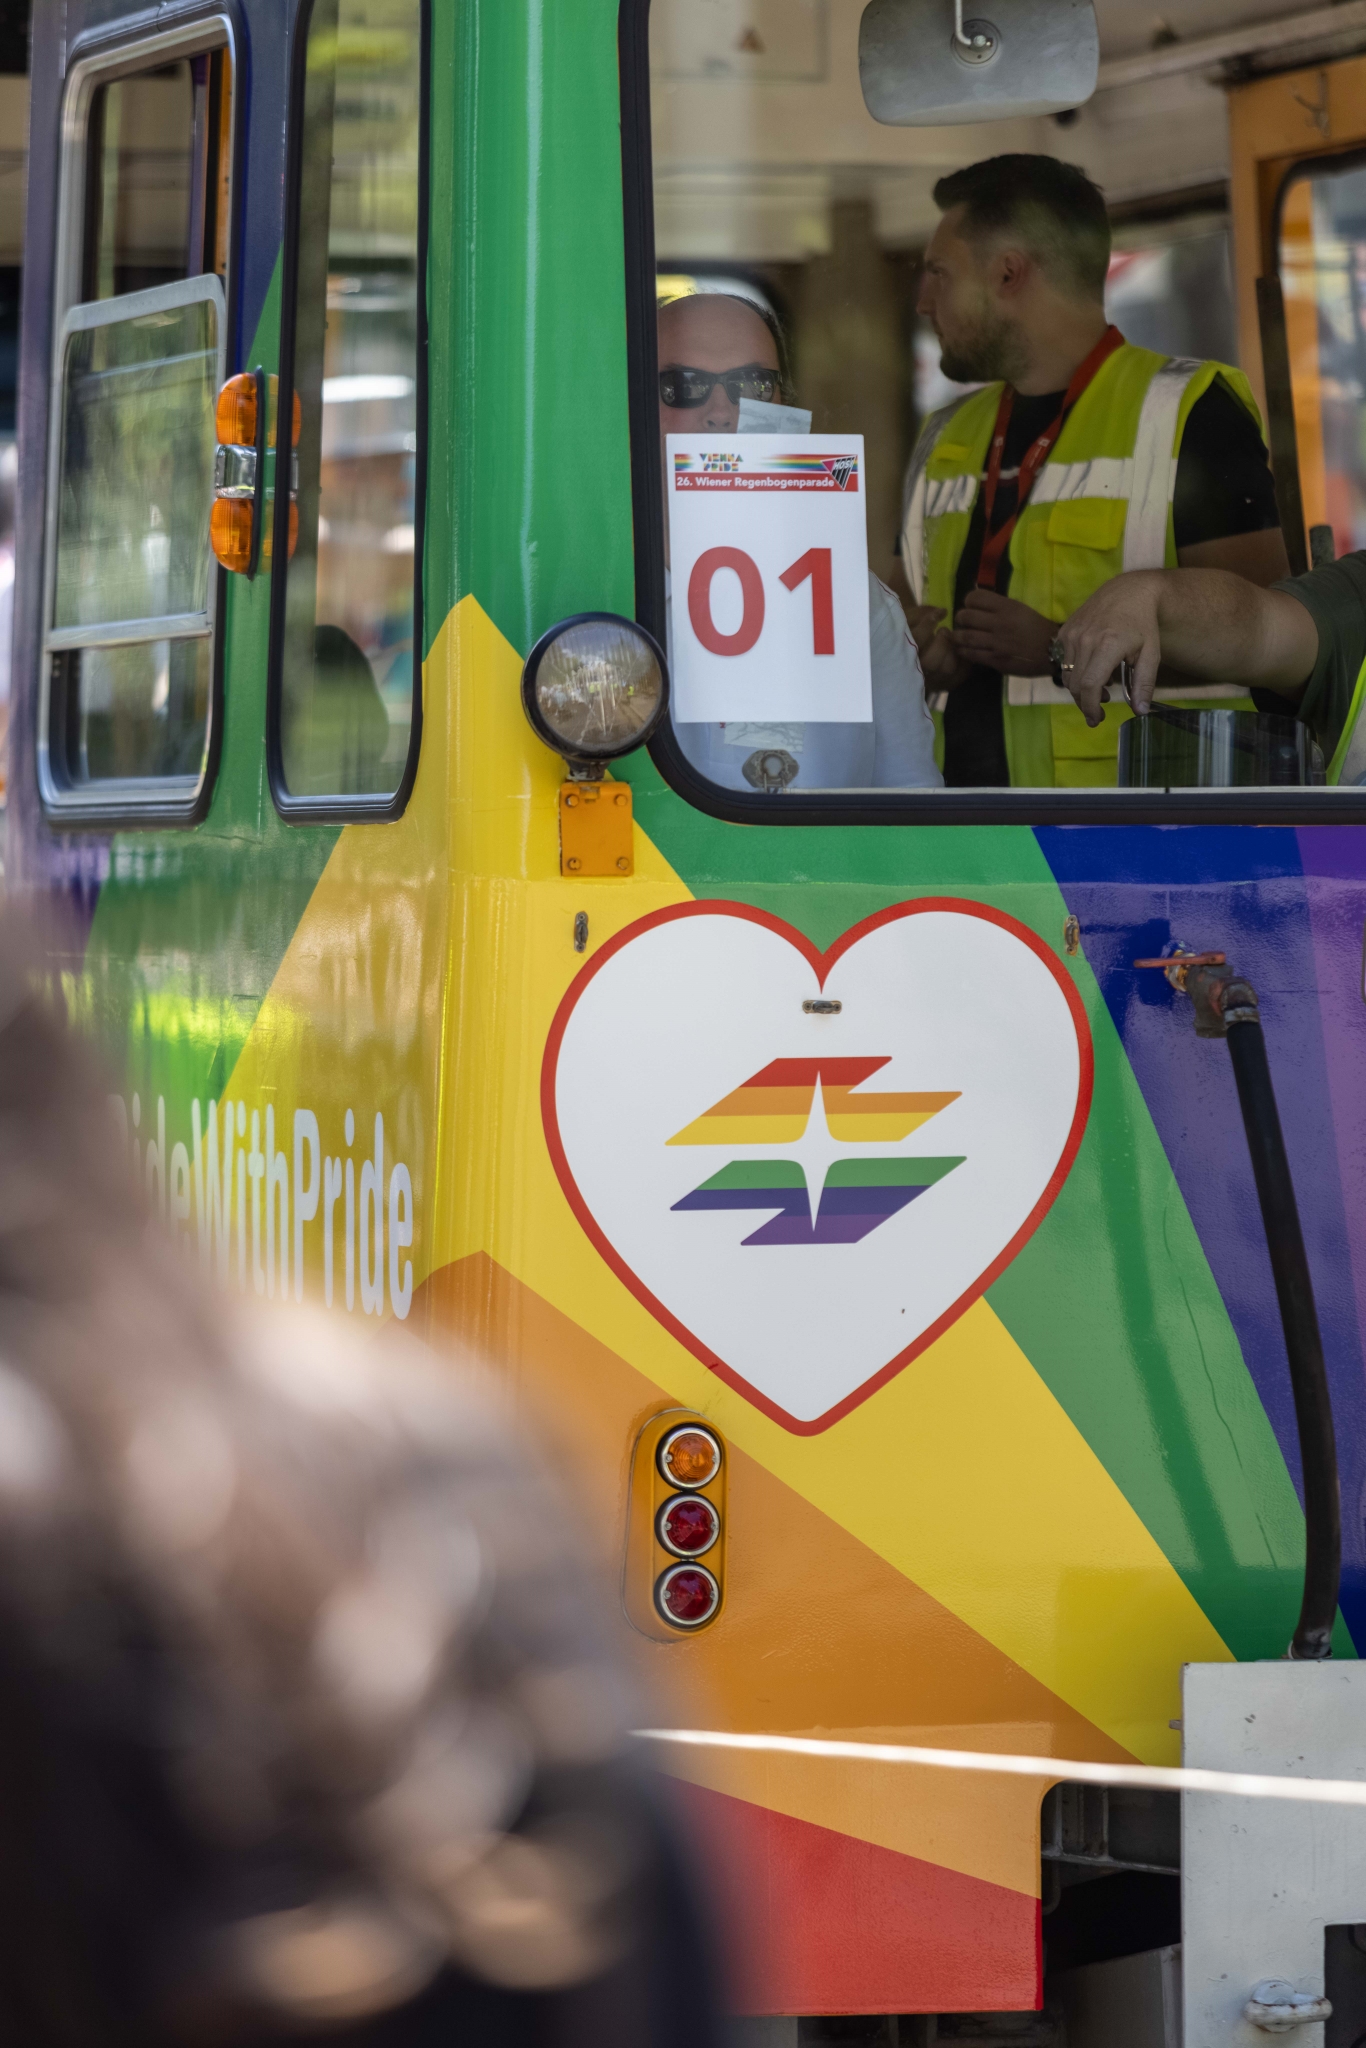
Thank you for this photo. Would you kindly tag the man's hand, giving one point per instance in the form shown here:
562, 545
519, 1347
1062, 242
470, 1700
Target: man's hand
940, 662
1119, 623
997, 632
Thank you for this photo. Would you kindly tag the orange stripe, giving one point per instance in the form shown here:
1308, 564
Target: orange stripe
844, 1101
847, 1645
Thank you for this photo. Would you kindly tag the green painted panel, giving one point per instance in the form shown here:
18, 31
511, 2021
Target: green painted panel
529, 505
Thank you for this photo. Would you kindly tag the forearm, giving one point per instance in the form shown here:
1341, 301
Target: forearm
1222, 629
1206, 623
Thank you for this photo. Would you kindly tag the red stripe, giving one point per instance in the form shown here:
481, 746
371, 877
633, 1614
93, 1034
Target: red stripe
819, 1922
803, 1073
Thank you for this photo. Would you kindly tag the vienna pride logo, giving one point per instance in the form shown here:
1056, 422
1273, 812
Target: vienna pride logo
821, 1194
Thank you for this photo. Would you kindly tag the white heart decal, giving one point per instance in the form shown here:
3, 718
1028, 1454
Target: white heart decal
808, 1165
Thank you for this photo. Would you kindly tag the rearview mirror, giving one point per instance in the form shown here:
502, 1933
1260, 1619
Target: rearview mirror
922, 65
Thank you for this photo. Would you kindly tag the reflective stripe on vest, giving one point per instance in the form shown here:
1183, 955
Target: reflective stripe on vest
913, 536
1153, 484
1108, 476
1348, 765
949, 494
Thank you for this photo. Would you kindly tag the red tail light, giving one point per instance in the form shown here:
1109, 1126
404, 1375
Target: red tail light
688, 1525
687, 1595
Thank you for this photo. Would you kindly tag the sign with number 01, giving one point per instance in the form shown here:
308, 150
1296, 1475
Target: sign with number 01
768, 552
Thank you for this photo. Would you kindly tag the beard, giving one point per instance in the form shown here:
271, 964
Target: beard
993, 350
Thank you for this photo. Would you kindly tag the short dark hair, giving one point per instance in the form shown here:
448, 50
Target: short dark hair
1054, 208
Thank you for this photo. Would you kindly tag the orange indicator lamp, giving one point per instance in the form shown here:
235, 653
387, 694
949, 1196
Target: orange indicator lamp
235, 415
690, 1457
230, 533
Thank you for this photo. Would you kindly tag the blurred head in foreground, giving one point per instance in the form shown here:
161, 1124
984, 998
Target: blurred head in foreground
305, 1727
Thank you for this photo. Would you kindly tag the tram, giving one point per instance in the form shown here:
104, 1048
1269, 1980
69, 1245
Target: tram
338, 398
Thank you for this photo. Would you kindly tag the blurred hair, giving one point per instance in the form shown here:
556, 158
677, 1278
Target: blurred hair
305, 1720
1053, 209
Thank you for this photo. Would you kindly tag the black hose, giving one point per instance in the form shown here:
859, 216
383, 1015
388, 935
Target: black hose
1313, 1635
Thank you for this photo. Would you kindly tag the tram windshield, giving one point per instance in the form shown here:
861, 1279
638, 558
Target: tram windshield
799, 369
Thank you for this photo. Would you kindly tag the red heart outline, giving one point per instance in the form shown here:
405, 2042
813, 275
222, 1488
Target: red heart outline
822, 964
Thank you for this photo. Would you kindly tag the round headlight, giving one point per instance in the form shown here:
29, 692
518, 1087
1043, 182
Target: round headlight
594, 687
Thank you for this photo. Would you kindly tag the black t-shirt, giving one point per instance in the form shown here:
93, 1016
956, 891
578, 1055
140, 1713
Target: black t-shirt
1223, 486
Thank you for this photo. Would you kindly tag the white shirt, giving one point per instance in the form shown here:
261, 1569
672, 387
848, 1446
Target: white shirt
894, 751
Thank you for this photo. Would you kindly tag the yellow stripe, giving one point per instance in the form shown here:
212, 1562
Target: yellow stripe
742, 1130
875, 1128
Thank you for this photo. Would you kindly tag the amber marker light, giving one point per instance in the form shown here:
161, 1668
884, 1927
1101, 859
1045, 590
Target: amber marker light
690, 1456
688, 1525
235, 413
238, 471
230, 525
687, 1595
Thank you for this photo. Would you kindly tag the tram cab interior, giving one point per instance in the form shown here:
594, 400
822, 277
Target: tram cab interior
1226, 139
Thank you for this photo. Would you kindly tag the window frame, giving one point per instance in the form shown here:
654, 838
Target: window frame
341, 809
98, 61
1025, 807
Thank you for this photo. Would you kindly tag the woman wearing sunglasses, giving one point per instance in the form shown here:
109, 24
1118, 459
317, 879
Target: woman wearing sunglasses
715, 351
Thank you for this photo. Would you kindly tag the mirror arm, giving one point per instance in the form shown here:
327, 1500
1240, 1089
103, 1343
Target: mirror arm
978, 46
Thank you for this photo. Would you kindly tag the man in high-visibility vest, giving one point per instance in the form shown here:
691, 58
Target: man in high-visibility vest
1081, 457
1303, 642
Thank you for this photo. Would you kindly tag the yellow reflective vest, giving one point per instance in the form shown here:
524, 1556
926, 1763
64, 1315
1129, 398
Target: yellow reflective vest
1102, 503
1348, 765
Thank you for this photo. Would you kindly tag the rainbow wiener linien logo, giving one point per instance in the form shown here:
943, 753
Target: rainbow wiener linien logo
810, 1104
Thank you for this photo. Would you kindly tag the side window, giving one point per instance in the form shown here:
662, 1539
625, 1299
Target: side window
346, 703
1321, 247
131, 586
855, 535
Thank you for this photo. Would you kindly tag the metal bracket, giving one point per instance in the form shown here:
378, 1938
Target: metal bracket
596, 835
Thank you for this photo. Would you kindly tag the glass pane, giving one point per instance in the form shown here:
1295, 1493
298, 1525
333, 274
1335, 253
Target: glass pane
158, 170
1323, 275
348, 677
140, 166
136, 481
799, 316
128, 712
778, 251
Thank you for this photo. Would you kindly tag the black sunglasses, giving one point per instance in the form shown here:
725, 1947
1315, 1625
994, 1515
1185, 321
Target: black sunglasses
684, 390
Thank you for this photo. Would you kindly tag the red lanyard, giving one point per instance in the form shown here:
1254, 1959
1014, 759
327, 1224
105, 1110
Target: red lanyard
994, 545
